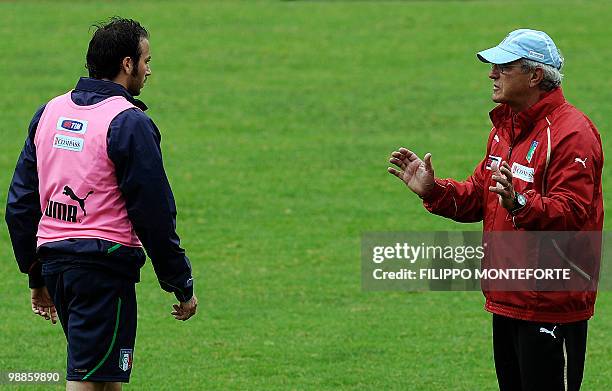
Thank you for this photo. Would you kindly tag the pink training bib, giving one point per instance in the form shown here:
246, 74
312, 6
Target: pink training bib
79, 195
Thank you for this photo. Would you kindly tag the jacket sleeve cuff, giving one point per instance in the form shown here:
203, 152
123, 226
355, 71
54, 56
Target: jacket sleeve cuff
35, 277
435, 193
181, 286
184, 295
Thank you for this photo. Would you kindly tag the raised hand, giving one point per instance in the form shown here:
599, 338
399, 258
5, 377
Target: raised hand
417, 174
502, 175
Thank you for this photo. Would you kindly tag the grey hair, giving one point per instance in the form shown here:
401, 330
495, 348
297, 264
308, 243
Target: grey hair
552, 76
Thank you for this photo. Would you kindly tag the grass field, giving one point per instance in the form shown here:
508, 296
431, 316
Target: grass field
277, 121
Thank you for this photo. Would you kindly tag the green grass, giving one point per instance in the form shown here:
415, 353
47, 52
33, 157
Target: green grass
277, 121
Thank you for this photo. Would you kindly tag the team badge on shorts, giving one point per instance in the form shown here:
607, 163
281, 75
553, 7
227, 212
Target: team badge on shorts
126, 357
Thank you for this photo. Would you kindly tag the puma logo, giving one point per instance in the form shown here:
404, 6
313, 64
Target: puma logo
583, 162
551, 332
70, 193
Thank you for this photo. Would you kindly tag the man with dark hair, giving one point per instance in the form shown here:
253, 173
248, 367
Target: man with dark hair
111, 43
541, 172
88, 193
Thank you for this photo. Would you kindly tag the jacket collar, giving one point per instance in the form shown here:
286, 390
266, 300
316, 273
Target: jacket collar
525, 120
107, 87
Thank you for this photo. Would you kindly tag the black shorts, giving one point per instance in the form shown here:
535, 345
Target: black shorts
97, 311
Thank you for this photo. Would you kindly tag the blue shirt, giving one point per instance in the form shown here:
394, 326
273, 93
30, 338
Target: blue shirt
133, 145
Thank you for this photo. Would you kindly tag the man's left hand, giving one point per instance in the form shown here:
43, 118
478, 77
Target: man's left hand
185, 310
502, 175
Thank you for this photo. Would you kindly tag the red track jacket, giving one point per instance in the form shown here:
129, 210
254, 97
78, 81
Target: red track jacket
559, 160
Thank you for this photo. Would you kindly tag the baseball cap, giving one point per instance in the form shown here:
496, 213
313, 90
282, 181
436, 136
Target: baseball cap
524, 43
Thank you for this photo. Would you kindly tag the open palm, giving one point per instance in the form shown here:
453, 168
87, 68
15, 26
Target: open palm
417, 174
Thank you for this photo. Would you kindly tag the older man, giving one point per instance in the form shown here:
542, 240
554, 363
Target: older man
541, 172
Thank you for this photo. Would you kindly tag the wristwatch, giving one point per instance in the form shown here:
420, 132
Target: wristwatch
519, 201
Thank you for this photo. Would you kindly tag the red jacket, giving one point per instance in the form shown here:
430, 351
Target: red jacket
559, 153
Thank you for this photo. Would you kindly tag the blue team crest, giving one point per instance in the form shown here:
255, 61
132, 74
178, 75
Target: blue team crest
126, 356
532, 148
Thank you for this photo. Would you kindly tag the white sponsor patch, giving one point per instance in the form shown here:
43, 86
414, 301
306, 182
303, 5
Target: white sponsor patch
521, 172
68, 143
492, 161
78, 126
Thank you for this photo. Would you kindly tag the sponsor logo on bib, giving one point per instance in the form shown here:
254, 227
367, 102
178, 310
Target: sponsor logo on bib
72, 125
68, 143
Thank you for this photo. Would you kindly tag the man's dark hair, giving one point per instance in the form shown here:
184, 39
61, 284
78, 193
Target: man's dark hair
111, 43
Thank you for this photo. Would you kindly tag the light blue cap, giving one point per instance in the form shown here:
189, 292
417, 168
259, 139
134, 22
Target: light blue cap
524, 43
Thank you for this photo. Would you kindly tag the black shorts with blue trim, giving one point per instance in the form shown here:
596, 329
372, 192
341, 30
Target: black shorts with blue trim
97, 310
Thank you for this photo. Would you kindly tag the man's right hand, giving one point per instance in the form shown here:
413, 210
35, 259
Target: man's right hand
185, 310
42, 304
417, 174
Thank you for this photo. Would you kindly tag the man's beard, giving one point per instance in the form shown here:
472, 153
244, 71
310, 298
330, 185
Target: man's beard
134, 87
